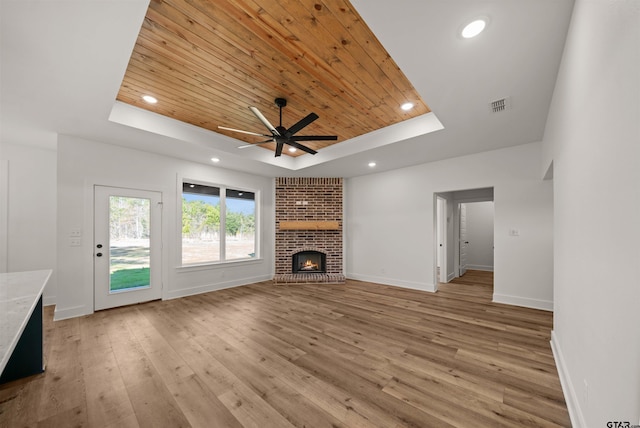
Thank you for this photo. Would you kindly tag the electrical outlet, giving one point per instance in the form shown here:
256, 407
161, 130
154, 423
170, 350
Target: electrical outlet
75, 233
75, 242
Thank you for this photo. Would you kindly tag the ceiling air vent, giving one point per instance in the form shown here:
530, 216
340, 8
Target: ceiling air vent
500, 105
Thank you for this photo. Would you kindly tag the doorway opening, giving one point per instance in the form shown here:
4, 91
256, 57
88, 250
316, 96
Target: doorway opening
464, 230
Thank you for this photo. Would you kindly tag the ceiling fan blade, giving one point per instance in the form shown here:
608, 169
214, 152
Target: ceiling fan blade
256, 144
301, 147
314, 138
279, 147
301, 124
264, 120
243, 132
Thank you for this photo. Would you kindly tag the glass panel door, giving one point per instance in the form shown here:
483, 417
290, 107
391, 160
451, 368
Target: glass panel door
127, 250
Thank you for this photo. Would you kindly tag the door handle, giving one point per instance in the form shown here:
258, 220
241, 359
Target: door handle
99, 255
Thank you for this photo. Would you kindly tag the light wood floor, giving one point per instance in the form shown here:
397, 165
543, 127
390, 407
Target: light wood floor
354, 355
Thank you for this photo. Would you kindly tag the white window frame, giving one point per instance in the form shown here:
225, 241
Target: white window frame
223, 235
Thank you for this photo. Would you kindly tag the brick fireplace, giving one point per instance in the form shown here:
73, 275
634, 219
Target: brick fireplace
308, 220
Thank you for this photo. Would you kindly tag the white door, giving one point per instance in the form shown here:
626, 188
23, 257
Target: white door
463, 239
442, 239
127, 246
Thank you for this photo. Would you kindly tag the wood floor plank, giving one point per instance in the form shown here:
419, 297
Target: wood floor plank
200, 405
20, 401
63, 387
154, 405
313, 355
106, 396
74, 417
162, 355
335, 402
381, 408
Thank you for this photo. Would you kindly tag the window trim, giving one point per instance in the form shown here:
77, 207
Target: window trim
223, 236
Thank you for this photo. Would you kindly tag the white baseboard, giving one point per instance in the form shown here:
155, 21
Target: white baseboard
73, 312
49, 300
545, 305
570, 396
422, 286
451, 276
192, 291
78, 311
480, 267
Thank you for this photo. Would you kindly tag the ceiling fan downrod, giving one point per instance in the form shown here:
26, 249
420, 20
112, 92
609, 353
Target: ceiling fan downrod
281, 102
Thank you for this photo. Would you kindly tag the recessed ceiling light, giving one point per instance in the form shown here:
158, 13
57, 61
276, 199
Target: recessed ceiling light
150, 99
215, 160
372, 164
406, 106
192, 185
474, 28
292, 149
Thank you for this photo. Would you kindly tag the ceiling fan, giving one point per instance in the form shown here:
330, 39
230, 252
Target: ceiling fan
282, 135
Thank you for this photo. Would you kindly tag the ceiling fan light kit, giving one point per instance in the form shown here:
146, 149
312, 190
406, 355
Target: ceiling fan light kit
281, 135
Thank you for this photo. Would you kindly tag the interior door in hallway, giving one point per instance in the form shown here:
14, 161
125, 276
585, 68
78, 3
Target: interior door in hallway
463, 239
127, 246
441, 240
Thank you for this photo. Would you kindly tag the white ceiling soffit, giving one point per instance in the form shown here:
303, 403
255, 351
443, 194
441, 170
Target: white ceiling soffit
145, 120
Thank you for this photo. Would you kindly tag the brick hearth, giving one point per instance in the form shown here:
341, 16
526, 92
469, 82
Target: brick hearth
303, 199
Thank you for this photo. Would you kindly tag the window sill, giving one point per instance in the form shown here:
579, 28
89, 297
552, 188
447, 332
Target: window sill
217, 265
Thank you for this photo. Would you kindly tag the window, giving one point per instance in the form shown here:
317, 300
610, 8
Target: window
218, 224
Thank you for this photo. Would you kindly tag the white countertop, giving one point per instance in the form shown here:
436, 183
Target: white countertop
19, 294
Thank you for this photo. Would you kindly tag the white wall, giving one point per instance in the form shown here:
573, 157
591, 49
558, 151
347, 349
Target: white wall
593, 139
480, 235
390, 222
31, 211
83, 164
4, 212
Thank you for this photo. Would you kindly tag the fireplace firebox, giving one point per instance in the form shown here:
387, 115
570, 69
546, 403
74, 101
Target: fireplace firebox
308, 262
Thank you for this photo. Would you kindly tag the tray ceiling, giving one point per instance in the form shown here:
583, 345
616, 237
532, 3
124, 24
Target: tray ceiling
207, 61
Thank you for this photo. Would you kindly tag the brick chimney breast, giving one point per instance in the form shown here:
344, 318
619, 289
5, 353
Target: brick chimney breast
314, 202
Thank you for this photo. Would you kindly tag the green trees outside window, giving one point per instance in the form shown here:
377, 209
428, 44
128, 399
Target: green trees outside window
208, 210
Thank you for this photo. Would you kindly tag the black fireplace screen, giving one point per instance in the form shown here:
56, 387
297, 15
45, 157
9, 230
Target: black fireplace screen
309, 262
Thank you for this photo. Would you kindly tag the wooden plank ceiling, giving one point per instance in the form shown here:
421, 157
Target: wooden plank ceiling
206, 61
